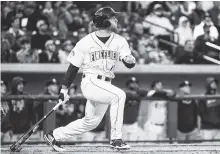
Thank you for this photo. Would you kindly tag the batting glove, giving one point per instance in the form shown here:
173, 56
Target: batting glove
64, 94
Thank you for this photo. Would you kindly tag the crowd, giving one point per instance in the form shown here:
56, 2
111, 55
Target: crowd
143, 119
157, 32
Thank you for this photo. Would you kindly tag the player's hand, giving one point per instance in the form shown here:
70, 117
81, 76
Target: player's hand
64, 94
129, 59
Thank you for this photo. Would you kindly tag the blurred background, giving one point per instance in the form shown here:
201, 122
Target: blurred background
176, 45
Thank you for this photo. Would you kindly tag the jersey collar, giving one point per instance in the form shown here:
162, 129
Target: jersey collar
100, 43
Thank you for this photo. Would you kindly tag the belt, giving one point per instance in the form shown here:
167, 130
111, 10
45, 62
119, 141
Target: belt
99, 77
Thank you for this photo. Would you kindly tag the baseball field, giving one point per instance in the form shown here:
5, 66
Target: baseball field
204, 148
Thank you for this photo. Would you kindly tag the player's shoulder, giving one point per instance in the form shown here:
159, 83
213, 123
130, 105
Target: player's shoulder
84, 39
119, 37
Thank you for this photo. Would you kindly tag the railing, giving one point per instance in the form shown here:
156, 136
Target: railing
171, 114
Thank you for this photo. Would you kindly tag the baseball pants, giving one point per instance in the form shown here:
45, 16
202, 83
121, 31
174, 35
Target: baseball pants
99, 94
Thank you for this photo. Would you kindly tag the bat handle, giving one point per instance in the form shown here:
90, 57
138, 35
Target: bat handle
60, 102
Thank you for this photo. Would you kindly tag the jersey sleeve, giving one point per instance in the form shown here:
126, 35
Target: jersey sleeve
124, 49
76, 56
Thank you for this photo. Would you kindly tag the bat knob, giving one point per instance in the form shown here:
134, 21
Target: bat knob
16, 148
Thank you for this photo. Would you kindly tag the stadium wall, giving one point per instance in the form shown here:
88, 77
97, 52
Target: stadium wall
170, 75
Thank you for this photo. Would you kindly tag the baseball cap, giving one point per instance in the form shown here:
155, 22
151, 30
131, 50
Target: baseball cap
48, 42
40, 23
209, 80
157, 6
4, 83
185, 83
51, 81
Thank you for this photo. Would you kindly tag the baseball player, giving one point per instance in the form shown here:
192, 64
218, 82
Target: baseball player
97, 55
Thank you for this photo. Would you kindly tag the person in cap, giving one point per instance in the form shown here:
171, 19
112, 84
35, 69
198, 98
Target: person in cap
199, 30
33, 16
50, 54
209, 112
51, 88
39, 39
131, 129
157, 17
6, 131
202, 49
64, 51
188, 124
156, 119
21, 110
97, 53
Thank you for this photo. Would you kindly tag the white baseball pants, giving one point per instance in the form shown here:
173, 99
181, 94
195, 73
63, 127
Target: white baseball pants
99, 94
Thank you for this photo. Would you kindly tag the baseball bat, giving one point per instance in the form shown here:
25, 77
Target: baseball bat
16, 147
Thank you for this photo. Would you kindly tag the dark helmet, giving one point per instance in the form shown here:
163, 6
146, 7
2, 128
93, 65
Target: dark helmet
131, 80
102, 16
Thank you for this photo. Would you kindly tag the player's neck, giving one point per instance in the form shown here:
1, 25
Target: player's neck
103, 33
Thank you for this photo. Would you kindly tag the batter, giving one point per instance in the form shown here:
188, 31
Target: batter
97, 55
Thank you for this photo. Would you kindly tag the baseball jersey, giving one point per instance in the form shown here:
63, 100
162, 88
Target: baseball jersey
157, 110
97, 57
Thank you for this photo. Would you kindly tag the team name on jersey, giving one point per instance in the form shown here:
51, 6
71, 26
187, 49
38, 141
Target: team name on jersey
103, 54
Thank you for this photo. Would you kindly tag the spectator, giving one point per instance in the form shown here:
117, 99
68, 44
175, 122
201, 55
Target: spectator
65, 50
184, 31
199, 30
39, 39
77, 21
82, 33
51, 88
155, 54
4, 18
21, 110
14, 34
50, 55
131, 129
26, 54
217, 25
209, 111
50, 14
185, 54
155, 125
214, 12
202, 49
63, 19
7, 54
156, 17
188, 124
6, 132
15, 28
187, 7
33, 16
163, 27
197, 14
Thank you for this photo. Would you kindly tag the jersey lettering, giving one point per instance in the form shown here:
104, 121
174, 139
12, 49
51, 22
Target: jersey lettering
105, 54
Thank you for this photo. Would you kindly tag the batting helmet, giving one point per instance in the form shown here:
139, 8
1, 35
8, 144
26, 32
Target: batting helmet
102, 16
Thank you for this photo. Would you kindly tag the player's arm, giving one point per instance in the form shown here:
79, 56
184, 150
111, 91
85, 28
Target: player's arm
75, 58
126, 56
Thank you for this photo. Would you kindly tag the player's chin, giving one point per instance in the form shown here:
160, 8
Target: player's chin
113, 29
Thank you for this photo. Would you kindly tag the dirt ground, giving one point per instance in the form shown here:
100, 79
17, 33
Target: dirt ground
204, 148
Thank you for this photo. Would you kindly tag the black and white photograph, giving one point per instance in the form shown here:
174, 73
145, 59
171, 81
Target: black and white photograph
110, 77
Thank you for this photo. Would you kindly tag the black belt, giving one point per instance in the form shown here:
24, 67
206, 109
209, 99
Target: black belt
99, 77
